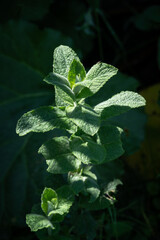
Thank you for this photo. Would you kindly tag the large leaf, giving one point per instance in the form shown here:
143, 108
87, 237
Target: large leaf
85, 118
87, 151
110, 138
119, 104
58, 156
42, 119
97, 76
36, 222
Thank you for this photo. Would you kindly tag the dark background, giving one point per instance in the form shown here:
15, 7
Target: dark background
123, 33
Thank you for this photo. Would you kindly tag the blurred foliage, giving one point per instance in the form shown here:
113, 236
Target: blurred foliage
123, 33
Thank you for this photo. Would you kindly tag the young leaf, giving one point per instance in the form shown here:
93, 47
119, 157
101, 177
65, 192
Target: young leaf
43, 119
76, 73
119, 103
65, 200
110, 138
85, 118
97, 76
63, 84
36, 222
49, 200
88, 152
63, 57
58, 156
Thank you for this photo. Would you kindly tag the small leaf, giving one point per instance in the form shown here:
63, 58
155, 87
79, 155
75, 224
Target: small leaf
63, 57
63, 84
76, 73
49, 200
87, 151
110, 138
97, 76
65, 200
36, 222
119, 103
43, 119
85, 118
58, 156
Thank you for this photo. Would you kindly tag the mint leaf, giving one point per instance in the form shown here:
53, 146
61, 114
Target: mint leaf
43, 119
110, 138
119, 103
63, 84
85, 118
58, 156
77, 182
87, 151
92, 188
97, 76
65, 200
49, 200
76, 73
63, 57
36, 222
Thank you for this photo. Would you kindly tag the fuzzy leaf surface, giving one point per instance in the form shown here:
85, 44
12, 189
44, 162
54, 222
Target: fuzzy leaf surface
63, 57
58, 156
43, 119
85, 118
87, 151
37, 222
97, 76
63, 84
119, 103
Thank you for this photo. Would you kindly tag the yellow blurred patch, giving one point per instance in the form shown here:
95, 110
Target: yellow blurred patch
147, 160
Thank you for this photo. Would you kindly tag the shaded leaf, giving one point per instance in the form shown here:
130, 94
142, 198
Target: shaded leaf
85, 118
58, 156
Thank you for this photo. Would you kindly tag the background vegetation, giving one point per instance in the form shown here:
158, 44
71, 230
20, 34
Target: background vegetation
122, 33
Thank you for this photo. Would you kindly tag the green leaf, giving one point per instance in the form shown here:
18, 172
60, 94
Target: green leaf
110, 138
76, 73
58, 156
87, 151
97, 76
85, 118
92, 188
65, 200
63, 84
63, 57
36, 222
120, 103
49, 200
43, 119
77, 182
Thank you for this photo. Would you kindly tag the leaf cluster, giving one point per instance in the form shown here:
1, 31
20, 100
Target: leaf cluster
88, 141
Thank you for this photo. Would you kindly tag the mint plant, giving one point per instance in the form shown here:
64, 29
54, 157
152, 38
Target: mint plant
87, 141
